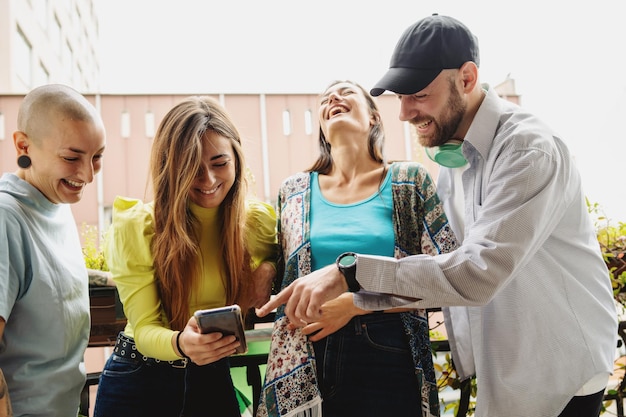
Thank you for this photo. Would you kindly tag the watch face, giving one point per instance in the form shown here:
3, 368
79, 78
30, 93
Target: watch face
347, 260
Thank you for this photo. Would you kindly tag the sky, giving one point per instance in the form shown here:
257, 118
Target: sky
567, 58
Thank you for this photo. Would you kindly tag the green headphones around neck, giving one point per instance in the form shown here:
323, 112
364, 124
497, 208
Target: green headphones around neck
448, 155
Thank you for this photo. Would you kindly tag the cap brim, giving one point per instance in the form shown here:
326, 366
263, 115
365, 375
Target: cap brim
404, 81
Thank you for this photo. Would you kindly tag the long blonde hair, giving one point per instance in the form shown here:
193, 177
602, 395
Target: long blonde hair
175, 162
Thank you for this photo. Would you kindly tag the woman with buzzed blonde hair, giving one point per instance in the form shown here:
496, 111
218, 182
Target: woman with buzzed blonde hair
44, 298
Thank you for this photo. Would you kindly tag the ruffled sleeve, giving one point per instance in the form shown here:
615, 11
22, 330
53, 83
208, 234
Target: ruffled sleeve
261, 225
127, 250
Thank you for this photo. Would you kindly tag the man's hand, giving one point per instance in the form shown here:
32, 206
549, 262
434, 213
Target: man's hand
305, 296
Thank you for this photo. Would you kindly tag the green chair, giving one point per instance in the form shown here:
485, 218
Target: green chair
248, 370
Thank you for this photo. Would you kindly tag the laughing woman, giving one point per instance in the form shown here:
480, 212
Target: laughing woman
200, 244
352, 362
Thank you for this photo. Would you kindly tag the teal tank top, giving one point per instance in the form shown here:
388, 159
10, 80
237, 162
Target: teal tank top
362, 227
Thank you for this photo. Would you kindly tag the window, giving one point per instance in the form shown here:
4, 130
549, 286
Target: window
23, 59
67, 59
41, 75
308, 122
286, 123
79, 77
55, 35
107, 217
2, 135
149, 124
125, 124
40, 9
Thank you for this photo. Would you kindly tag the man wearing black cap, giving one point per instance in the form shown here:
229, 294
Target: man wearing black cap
527, 297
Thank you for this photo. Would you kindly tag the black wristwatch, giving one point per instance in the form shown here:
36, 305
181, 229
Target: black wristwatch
346, 263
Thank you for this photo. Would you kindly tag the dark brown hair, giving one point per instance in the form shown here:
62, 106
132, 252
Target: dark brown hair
376, 141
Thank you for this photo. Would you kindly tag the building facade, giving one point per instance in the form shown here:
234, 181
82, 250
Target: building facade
279, 133
55, 41
44, 41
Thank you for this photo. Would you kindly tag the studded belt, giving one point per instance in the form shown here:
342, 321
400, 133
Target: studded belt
125, 347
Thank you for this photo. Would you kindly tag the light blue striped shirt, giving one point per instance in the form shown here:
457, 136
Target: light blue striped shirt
538, 317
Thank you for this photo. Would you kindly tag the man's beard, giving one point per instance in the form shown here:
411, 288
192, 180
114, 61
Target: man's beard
449, 122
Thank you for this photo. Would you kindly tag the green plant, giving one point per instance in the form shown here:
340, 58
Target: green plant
612, 240
447, 377
94, 258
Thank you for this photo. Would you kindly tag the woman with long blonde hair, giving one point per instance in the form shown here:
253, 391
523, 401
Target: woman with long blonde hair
201, 243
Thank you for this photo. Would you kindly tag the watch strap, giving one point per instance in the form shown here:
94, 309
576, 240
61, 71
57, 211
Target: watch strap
349, 272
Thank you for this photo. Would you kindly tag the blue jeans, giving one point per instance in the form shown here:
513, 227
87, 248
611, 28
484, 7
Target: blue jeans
584, 406
135, 388
365, 369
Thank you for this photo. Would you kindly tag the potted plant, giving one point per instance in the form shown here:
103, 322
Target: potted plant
105, 306
612, 240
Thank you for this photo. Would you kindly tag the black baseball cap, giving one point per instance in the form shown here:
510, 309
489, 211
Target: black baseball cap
425, 49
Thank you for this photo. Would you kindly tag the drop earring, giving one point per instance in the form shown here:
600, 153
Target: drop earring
23, 161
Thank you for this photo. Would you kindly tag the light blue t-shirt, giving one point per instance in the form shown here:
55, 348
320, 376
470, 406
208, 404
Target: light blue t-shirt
44, 300
362, 227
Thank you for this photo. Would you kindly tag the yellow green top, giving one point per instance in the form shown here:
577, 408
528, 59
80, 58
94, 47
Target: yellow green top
127, 248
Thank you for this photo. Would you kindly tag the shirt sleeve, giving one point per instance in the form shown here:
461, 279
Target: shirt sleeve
421, 227
262, 240
517, 215
12, 261
127, 249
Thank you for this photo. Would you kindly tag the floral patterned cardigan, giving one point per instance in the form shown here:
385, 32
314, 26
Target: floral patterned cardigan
420, 227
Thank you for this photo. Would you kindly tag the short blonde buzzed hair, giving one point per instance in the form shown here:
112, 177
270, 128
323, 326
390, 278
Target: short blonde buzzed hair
42, 103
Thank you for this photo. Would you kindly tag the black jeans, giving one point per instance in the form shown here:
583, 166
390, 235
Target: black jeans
140, 389
365, 369
584, 406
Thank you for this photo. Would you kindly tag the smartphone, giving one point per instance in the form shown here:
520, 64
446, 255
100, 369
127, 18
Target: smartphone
226, 320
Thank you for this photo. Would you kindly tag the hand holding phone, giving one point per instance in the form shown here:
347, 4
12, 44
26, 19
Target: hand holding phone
226, 320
